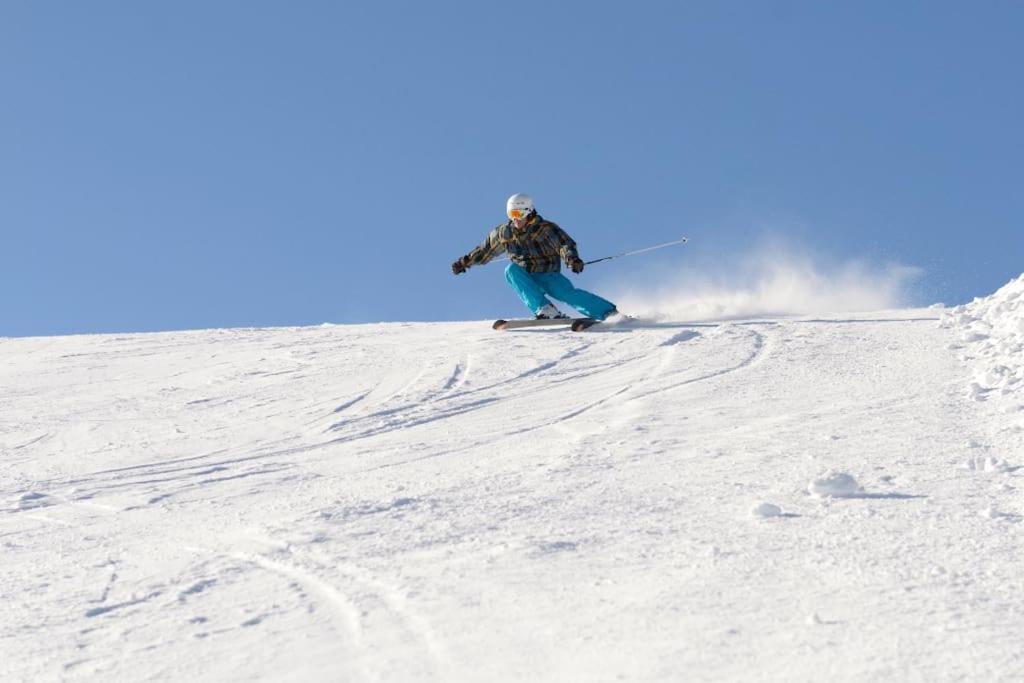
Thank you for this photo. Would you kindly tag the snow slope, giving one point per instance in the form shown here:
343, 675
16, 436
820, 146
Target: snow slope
788, 499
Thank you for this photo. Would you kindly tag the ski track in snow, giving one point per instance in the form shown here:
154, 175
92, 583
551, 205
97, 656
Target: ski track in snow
439, 502
366, 595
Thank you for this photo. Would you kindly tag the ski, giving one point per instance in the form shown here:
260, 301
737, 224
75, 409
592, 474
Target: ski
546, 322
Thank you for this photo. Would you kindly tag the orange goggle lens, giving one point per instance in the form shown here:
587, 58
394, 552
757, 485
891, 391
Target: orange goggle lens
518, 213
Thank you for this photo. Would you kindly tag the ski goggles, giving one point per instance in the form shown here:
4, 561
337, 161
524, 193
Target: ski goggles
518, 213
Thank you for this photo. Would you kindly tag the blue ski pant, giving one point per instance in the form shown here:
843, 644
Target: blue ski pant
534, 288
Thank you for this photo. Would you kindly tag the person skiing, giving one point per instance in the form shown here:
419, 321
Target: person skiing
537, 248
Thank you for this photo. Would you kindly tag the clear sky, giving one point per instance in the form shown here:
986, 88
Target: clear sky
195, 164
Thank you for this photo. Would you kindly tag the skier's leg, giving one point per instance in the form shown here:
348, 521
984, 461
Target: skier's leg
526, 287
559, 286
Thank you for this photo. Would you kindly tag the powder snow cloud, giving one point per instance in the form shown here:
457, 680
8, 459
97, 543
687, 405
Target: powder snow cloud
772, 279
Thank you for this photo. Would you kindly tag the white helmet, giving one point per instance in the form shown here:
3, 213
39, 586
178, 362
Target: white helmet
521, 204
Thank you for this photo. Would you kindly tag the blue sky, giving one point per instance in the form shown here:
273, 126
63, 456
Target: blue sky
209, 164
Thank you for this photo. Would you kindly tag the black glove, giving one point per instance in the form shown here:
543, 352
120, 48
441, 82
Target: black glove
577, 265
459, 267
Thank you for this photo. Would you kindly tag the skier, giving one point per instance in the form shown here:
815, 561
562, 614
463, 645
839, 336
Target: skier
536, 248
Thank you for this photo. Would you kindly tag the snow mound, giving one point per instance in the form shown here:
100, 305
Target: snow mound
991, 340
766, 510
834, 485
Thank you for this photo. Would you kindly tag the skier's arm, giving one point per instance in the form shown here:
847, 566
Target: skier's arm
491, 247
566, 246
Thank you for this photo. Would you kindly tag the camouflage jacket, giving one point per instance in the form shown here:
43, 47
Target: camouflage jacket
539, 248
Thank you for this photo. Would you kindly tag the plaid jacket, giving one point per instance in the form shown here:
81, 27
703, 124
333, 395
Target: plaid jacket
539, 248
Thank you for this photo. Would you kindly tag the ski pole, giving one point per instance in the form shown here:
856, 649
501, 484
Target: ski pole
684, 240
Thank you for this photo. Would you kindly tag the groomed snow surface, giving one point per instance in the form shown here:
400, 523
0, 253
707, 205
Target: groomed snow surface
793, 499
